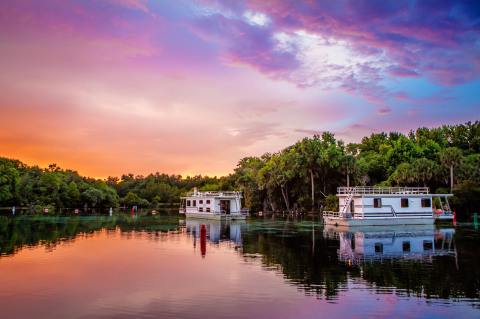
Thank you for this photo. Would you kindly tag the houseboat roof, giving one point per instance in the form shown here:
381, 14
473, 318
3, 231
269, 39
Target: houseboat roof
379, 190
216, 194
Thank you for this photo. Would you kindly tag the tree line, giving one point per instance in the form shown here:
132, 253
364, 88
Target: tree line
303, 176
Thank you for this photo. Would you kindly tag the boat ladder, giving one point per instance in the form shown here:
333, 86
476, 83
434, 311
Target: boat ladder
347, 203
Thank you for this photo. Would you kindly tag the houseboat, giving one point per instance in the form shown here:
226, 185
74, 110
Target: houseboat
213, 205
380, 206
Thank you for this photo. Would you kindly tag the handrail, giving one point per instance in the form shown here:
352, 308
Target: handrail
214, 193
363, 190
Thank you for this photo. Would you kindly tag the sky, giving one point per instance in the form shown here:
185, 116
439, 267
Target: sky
108, 87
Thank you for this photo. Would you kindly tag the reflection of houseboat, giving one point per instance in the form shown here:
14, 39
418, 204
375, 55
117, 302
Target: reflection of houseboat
377, 206
416, 242
215, 231
213, 205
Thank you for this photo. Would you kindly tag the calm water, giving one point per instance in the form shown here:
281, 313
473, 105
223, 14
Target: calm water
166, 267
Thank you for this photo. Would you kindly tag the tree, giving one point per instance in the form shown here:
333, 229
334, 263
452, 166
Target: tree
309, 151
422, 171
451, 157
402, 175
93, 196
9, 177
131, 199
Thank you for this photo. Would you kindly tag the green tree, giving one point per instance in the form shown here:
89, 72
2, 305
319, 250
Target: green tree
451, 157
423, 170
9, 178
92, 197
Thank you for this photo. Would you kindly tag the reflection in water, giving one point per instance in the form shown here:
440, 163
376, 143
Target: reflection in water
215, 231
120, 266
421, 242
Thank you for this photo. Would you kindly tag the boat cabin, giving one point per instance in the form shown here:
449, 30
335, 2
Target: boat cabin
214, 205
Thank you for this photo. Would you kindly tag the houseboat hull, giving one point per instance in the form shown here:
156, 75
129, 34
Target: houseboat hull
444, 218
216, 216
357, 222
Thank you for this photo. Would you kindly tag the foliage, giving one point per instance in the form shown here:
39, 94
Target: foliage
299, 177
288, 179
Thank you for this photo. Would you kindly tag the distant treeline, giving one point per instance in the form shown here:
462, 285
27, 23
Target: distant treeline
303, 176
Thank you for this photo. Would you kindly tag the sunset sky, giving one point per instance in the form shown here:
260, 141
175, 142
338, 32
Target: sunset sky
190, 87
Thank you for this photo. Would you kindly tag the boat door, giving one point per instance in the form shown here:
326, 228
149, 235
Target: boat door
225, 206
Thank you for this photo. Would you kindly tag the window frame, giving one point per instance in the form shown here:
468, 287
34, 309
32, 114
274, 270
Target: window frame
404, 200
426, 200
377, 202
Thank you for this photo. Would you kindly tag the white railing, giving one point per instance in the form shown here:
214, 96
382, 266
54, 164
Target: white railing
368, 190
331, 214
214, 194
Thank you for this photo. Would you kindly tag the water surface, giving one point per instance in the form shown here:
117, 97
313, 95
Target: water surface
166, 267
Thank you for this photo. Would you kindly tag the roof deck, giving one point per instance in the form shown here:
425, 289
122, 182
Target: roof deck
214, 194
376, 190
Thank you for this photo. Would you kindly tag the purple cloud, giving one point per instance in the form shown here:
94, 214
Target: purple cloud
438, 40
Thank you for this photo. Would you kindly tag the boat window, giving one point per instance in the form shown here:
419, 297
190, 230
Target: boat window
200, 209
200, 201
406, 246
207, 209
426, 202
208, 201
377, 202
378, 248
352, 206
404, 202
188, 202
194, 203
427, 245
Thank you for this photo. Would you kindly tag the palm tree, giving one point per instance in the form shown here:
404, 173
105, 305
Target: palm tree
423, 170
349, 166
451, 157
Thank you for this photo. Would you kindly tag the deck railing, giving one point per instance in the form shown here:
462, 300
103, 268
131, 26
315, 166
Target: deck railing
215, 193
369, 190
331, 214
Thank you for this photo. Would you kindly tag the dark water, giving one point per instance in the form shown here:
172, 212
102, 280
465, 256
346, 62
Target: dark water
166, 267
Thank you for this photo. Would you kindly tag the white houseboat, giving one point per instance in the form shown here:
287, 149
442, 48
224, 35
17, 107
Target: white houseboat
213, 205
378, 206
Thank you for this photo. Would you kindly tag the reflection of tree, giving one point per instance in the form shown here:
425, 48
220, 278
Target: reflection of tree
296, 249
312, 265
443, 277
22, 231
